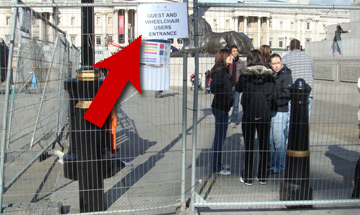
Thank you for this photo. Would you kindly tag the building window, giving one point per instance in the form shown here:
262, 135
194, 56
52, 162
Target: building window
270, 24
308, 25
227, 24
281, 43
270, 42
109, 39
308, 39
98, 20
110, 20
281, 24
73, 39
8, 20
72, 20
98, 40
179, 41
214, 23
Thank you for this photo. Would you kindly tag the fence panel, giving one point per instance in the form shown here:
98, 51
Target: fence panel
148, 156
333, 135
149, 131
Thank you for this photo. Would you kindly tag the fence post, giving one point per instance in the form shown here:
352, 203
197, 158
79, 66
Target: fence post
195, 106
6, 104
297, 169
184, 126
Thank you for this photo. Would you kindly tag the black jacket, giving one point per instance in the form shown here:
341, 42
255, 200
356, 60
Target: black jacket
256, 84
221, 86
283, 80
338, 33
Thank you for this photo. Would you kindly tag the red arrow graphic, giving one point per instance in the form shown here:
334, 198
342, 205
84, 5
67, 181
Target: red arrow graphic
124, 66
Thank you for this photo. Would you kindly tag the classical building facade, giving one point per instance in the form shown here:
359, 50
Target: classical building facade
272, 26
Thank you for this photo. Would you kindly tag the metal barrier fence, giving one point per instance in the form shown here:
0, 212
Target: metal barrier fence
163, 145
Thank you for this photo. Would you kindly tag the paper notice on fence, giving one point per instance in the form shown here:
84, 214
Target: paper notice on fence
163, 21
155, 52
154, 77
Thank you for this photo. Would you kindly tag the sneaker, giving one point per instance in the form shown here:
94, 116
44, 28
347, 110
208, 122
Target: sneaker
226, 166
233, 125
224, 172
262, 182
249, 183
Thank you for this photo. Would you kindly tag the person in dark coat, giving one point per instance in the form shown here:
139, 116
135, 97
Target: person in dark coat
256, 84
279, 114
222, 102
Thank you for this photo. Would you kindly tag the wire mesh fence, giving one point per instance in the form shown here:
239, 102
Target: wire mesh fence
150, 134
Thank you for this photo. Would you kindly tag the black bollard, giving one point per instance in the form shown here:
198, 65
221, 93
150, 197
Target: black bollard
296, 185
70, 160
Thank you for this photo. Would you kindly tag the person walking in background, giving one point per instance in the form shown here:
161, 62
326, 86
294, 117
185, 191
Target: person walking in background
279, 114
222, 102
266, 52
256, 83
336, 45
235, 68
301, 66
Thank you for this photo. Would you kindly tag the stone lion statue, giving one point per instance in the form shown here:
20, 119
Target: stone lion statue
211, 42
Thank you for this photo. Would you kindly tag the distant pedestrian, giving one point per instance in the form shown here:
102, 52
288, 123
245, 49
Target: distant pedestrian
301, 66
235, 69
266, 53
223, 100
279, 114
256, 83
337, 45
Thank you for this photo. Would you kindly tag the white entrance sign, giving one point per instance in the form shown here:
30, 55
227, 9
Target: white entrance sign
163, 21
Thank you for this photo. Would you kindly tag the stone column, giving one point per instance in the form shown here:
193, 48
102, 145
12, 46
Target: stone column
52, 30
259, 31
267, 30
236, 23
298, 28
303, 26
116, 24
136, 25
126, 27
245, 24
41, 29
104, 27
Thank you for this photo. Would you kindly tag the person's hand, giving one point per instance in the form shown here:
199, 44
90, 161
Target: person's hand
349, 31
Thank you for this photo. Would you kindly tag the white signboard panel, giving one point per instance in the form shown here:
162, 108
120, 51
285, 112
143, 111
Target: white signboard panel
163, 21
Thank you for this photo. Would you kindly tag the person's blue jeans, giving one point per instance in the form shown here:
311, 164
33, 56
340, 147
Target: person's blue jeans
278, 140
235, 110
337, 46
221, 125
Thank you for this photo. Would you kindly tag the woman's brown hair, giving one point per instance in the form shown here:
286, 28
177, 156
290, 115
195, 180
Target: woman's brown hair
220, 57
266, 52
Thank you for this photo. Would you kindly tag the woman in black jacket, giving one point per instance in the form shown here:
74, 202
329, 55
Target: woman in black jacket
256, 84
223, 100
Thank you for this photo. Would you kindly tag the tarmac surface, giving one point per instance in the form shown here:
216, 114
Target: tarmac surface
149, 135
